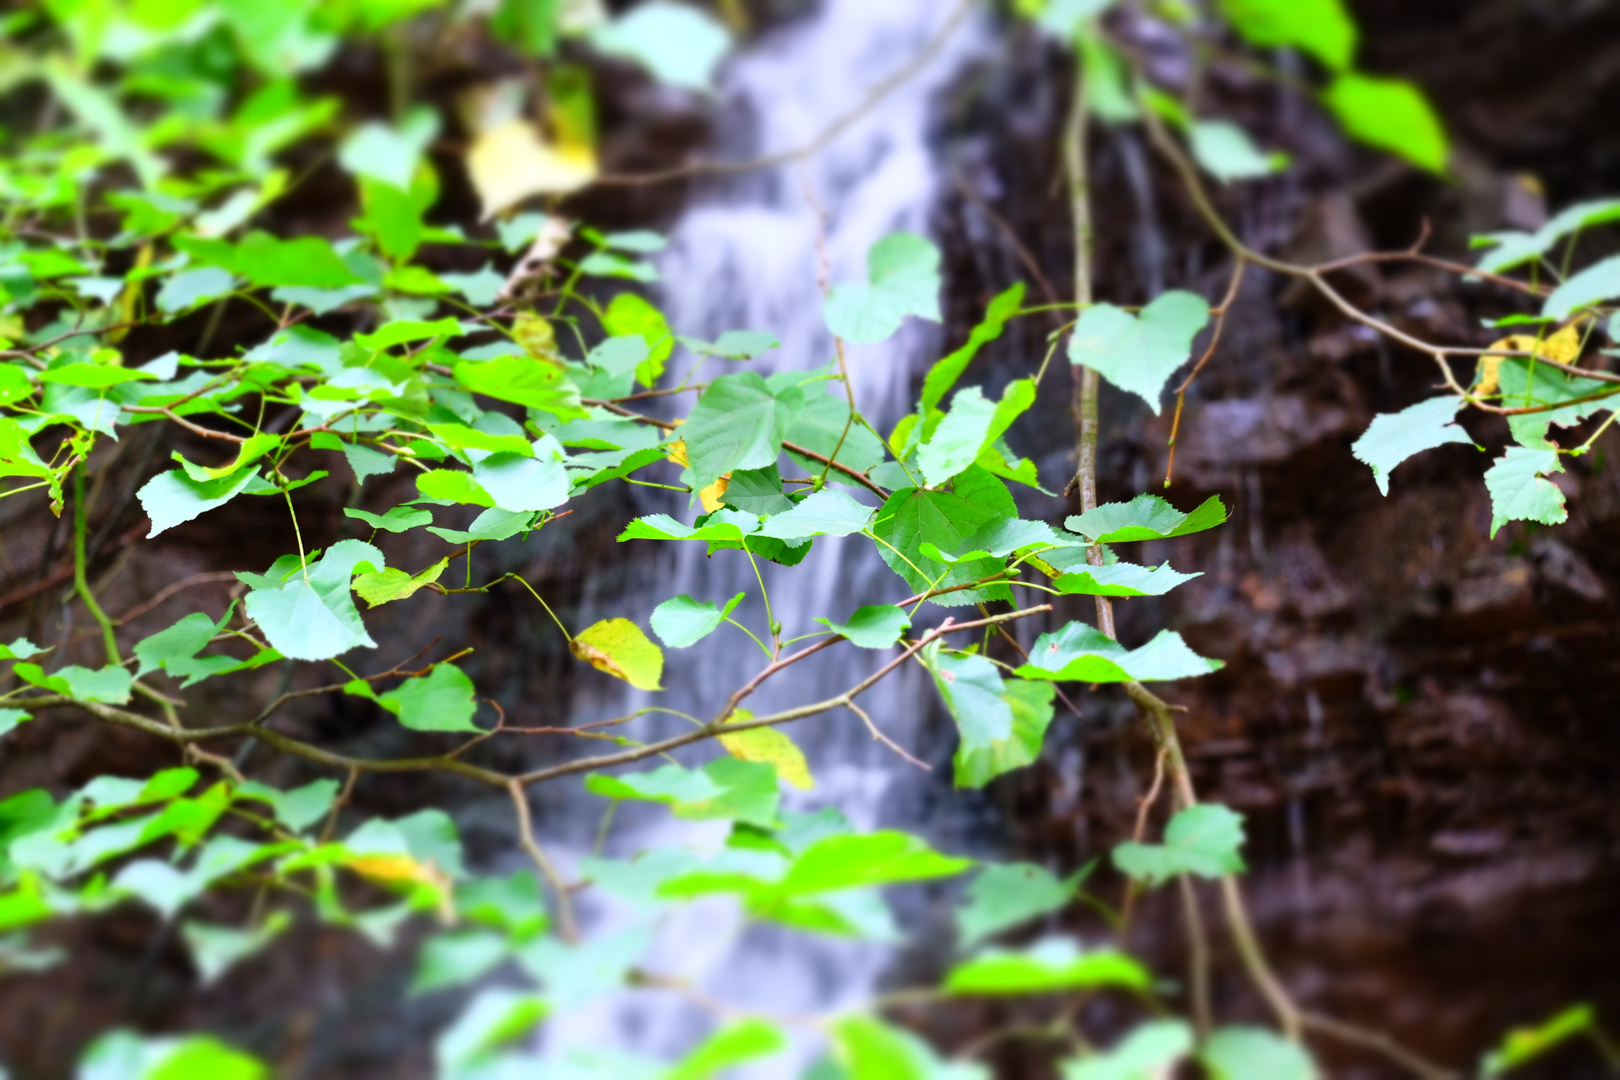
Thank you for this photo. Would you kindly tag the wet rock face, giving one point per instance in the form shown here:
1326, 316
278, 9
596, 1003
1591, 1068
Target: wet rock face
1417, 720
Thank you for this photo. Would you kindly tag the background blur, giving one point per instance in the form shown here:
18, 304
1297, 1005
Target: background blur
1418, 723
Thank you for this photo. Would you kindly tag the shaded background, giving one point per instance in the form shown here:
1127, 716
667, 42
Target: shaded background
1418, 722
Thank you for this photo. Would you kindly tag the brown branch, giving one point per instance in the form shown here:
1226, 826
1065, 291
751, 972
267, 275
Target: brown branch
548, 870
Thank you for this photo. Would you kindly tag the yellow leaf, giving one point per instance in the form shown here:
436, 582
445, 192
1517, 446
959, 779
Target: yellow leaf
710, 496
1564, 347
618, 647
510, 162
773, 747
537, 337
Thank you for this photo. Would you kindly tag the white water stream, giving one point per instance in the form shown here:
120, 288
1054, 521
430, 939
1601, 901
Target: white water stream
747, 255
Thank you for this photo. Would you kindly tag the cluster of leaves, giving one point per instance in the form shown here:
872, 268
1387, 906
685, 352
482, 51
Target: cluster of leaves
505, 394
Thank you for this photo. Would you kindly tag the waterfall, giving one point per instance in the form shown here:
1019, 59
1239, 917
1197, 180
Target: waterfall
748, 255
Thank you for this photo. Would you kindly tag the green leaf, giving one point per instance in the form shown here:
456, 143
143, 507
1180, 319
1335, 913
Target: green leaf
1322, 28
14, 385
725, 788
404, 331
389, 154
110, 684
943, 375
1120, 579
523, 381
457, 958
757, 491
493, 1018
1139, 353
869, 1049
958, 438
1050, 965
264, 260
1201, 840
1524, 1044
21, 649
299, 808
863, 860
441, 700
10, 718
216, 949
1518, 492
453, 485
683, 622
1081, 653
525, 483
1107, 82
1389, 114
399, 519
1064, 18
394, 584
171, 649
722, 525
1393, 437
945, 519
1227, 153
492, 524
974, 694
313, 617
393, 216
1146, 517
736, 424
1511, 249
481, 288
1006, 895
737, 1043
1242, 1053
823, 426
628, 315
1031, 707
875, 626
189, 288
1524, 383
734, 344
903, 273
123, 1055
257, 446
618, 647
1149, 1052
510, 904
679, 45
827, 512
173, 498
1593, 285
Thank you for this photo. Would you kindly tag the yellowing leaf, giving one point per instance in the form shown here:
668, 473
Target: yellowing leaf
618, 647
1564, 347
511, 162
709, 496
395, 584
771, 747
536, 336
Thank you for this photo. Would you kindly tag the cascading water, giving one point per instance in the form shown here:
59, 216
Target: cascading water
749, 255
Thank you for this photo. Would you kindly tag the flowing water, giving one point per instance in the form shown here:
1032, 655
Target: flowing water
751, 253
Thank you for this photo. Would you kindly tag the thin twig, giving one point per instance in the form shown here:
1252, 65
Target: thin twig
548, 871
